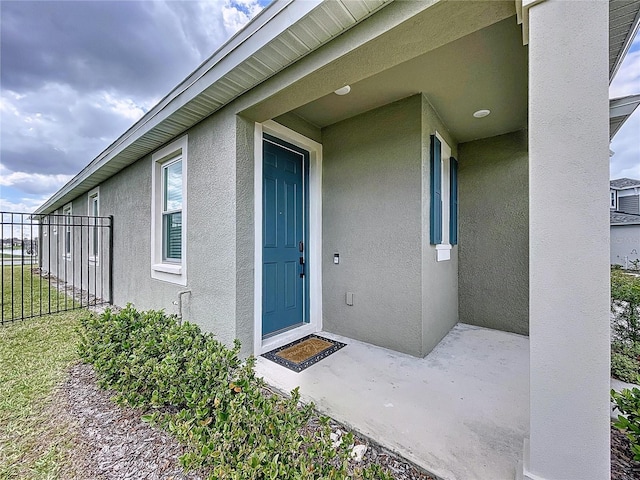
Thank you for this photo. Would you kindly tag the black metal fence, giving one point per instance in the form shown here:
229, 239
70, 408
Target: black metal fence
54, 263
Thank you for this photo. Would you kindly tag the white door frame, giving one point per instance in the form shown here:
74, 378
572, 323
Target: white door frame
313, 249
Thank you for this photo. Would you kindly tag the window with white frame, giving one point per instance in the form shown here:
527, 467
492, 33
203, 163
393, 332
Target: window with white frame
169, 212
53, 220
444, 198
68, 231
93, 210
172, 211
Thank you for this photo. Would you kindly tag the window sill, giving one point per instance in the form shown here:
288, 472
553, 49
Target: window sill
443, 252
167, 268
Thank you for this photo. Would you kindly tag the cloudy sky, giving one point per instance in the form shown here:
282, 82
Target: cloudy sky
74, 75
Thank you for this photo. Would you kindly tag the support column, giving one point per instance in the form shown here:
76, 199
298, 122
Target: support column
569, 240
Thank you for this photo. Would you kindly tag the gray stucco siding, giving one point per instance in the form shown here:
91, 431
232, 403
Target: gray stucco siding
439, 279
625, 244
245, 233
213, 274
76, 269
376, 217
494, 233
371, 218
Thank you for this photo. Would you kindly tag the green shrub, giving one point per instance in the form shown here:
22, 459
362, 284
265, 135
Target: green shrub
625, 305
625, 368
201, 391
628, 403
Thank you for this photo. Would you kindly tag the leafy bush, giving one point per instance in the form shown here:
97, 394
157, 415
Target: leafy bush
625, 305
625, 367
628, 403
200, 390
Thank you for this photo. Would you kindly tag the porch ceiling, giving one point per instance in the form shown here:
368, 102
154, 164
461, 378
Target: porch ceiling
484, 70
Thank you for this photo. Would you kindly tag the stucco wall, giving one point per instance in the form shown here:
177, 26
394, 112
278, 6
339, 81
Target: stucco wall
213, 275
77, 270
375, 201
300, 125
494, 233
245, 233
625, 244
439, 279
371, 217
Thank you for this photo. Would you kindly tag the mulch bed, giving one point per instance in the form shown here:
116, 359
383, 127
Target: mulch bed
623, 467
111, 442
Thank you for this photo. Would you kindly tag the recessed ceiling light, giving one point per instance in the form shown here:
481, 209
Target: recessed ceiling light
481, 113
343, 91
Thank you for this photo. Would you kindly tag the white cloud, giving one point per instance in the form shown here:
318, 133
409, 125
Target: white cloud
626, 144
22, 205
236, 13
124, 107
59, 108
626, 147
627, 80
34, 183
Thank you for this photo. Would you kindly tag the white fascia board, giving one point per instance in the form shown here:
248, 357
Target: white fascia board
623, 106
522, 16
272, 21
631, 34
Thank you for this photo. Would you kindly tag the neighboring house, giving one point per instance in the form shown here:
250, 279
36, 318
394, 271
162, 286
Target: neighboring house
625, 239
462, 179
624, 196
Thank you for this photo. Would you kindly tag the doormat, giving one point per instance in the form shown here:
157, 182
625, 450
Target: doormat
303, 353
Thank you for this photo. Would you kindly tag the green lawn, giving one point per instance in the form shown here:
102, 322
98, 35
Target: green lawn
33, 357
26, 295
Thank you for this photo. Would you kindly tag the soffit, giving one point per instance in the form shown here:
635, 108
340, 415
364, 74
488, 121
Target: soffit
624, 19
486, 69
620, 109
282, 34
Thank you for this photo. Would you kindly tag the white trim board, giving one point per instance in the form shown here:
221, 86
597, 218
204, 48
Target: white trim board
160, 270
314, 248
95, 193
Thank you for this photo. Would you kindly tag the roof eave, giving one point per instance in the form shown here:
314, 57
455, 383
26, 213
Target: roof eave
194, 96
620, 109
631, 33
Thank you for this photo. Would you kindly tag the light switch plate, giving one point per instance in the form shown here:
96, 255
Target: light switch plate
349, 298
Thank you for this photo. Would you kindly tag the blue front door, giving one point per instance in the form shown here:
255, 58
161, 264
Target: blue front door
284, 278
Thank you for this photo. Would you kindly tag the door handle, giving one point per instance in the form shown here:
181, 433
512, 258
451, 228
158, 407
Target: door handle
302, 265
301, 246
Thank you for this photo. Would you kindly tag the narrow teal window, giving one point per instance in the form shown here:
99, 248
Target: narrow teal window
435, 214
453, 201
172, 211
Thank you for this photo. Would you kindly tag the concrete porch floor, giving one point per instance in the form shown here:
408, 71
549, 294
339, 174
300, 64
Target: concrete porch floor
461, 413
